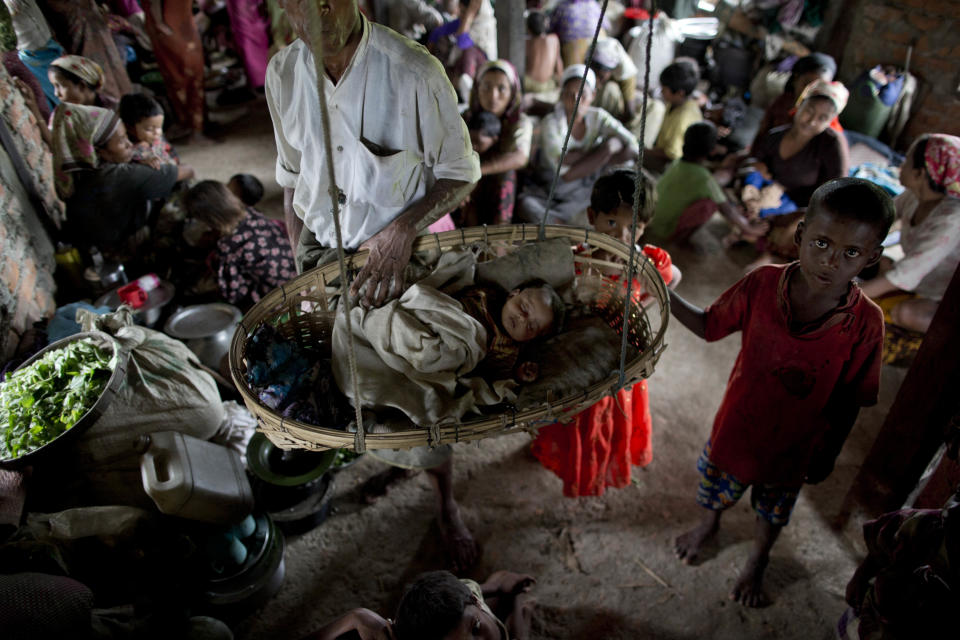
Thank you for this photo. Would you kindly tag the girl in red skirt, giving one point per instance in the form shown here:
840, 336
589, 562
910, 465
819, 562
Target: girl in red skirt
601, 444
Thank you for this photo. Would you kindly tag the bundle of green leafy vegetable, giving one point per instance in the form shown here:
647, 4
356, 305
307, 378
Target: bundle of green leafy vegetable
41, 401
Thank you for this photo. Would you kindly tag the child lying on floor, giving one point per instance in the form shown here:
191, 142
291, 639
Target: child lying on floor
437, 605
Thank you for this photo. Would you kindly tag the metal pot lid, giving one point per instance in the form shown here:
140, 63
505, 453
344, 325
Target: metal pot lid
286, 468
202, 320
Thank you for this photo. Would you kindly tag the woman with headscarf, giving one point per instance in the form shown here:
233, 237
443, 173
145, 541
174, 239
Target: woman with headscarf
816, 66
82, 29
807, 152
801, 156
105, 194
497, 90
79, 80
909, 290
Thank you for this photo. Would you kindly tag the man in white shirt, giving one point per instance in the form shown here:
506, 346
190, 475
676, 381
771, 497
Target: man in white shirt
401, 152
402, 158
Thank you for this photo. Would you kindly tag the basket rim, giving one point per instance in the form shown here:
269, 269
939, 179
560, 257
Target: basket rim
476, 427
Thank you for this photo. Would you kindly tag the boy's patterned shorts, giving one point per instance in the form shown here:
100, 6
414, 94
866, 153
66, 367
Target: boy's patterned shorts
719, 490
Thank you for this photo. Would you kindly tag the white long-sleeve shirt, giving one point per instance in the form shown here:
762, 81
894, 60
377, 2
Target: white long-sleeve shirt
394, 126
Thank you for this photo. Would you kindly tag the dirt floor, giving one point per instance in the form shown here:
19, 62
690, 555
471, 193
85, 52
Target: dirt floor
604, 566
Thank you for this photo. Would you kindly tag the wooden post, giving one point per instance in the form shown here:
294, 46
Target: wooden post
511, 33
915, 427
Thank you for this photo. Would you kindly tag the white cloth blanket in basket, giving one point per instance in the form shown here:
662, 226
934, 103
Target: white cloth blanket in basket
416, 352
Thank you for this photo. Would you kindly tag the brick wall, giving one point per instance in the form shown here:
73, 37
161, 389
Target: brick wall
871, 32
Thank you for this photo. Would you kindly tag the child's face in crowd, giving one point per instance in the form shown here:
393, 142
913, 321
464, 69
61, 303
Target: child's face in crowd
834, 249
149, 129
617, 223
527, 314
814, 116
475, 623
494, 92
568, 97
481, 141
672, 97
118, 148
67, 91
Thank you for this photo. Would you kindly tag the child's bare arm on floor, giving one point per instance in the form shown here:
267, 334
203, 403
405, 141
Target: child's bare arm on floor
367, 624
690, 316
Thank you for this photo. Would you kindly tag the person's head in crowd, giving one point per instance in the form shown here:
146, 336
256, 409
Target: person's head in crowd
841, 231
247, 188
532, 310
437, 605
678, 80
537, 23
340, 21
816, 66
497, 90
605, 60
84, 138
699, 140
484, 128
611, 204
76, 79
212, 204
818, 105
570, 85
142, 116
931, 169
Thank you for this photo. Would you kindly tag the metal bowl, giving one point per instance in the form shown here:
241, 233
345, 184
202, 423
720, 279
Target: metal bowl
93, 413
150, 312
207, 330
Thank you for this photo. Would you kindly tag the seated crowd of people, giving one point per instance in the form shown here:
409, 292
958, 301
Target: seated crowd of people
559, 142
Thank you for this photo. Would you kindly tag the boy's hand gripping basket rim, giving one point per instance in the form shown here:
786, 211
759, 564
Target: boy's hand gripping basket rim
303, 309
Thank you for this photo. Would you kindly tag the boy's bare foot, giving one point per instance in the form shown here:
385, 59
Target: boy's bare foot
459, 543
687, 546
748, 590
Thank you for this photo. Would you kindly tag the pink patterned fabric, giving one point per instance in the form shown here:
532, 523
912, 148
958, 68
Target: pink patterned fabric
255, 259
943, 162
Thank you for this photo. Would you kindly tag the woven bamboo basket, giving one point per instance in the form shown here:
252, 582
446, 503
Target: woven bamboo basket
303, 310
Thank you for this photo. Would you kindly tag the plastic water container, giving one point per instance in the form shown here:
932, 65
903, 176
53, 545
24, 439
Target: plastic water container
195, 479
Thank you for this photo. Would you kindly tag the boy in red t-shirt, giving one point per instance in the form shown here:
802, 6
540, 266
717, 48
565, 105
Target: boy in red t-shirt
810, 358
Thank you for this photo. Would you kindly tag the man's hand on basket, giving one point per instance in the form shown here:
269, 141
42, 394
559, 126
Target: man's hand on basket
383, 273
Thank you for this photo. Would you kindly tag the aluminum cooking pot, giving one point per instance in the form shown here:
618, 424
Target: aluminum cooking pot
206, 329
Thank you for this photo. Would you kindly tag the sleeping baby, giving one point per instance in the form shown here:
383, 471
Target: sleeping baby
532, 310
447, 346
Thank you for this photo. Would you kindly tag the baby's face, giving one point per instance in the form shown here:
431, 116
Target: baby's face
618, 224
527, 314
482, 142
149, 130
